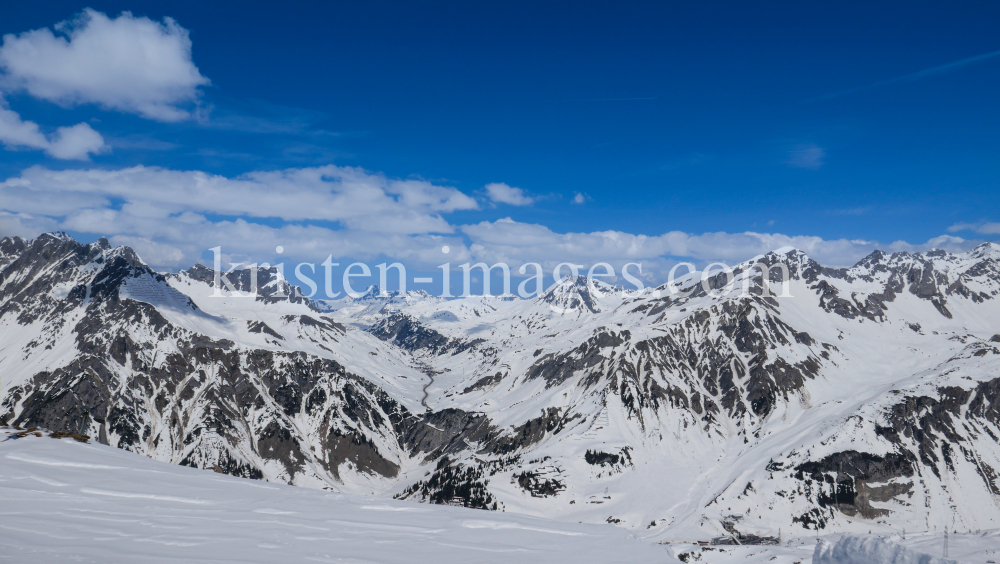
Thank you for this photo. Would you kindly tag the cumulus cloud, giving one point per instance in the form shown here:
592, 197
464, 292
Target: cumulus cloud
501, 193
806, 156
77, 142
580, 198
129, 64
983, 228
17, 133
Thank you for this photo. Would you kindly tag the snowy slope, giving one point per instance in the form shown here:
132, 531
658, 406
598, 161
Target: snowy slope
67, 501
63, 501
979, 548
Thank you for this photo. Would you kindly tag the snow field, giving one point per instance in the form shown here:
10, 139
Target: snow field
63, 501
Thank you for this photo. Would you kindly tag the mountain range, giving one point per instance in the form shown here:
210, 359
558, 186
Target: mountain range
853, 399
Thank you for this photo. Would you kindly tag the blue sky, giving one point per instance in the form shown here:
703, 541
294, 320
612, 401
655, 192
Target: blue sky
845, 124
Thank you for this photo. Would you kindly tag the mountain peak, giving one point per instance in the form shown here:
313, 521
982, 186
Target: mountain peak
798, 261
373, 292
57, 235
792, 253
575, 293
986, 250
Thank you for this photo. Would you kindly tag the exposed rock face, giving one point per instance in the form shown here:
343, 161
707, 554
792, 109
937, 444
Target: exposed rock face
409, 334
574, 294
11, 248
865, 395
265, 282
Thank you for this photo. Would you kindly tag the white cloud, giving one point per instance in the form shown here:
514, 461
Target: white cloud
130, 64
17, 133
983, 228
580, 198
503, 194
806, 156
77, 142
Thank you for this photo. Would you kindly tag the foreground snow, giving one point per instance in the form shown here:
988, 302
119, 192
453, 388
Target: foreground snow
871, 550
923, 548
63, 501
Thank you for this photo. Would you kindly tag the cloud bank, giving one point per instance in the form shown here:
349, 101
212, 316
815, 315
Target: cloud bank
171, 217
513, 242
359, 200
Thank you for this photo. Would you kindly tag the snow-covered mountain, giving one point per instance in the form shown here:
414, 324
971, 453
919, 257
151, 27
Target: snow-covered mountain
868, 398
374, 301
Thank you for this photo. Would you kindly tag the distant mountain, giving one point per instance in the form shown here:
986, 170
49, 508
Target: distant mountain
867, 400
374, 301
